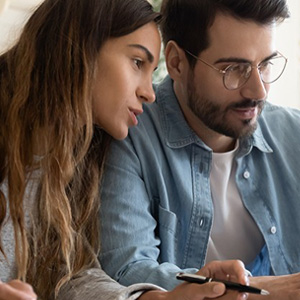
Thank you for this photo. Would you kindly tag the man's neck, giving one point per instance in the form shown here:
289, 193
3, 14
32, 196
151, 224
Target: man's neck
217, 142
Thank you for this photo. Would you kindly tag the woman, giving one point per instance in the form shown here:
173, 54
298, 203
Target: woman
78, 75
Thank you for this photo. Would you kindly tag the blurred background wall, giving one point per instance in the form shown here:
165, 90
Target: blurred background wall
285, 92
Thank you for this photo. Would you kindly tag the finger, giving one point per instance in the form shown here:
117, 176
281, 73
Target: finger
243, 278
243, 296
221, 269
7, 292
194, 291
211, 290
22, 286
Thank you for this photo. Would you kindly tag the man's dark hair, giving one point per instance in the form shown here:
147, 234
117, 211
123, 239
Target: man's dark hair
187, 21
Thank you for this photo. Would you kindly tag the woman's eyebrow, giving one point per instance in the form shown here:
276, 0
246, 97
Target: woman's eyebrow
150, 56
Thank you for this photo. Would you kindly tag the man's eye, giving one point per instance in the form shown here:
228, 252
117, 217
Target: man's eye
138, 62
266, 64
238, 68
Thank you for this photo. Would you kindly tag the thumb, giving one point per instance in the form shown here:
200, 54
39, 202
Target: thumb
218, 288
213, 289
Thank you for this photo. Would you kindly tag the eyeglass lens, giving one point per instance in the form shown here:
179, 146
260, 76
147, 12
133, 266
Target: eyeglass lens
236, 75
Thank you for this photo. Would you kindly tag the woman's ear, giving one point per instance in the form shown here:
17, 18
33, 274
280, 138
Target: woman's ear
175, 60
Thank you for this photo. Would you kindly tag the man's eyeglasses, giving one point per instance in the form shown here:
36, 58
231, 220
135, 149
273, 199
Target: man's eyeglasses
237, 74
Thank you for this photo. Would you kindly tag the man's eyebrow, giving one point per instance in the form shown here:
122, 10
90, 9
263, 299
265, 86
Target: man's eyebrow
242, 60
270, 56
150, 56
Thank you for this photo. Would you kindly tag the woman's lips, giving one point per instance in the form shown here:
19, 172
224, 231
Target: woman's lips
133, 114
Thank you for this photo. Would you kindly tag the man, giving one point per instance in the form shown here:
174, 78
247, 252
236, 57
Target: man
212, 171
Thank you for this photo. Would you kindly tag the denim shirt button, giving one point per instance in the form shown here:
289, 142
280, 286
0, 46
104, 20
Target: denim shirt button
273, 229
246, 174
201, 222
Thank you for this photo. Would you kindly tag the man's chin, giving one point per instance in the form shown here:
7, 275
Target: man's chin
248, 128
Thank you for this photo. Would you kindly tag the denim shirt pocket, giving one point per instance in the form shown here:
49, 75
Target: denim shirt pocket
168, 228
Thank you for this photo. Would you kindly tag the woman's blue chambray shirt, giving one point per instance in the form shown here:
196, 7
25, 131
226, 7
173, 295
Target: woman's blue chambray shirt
157, 209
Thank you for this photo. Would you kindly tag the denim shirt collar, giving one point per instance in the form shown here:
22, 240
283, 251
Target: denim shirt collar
179, 134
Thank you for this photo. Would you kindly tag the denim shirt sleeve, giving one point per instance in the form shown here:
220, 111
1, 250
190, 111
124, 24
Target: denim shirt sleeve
130, 244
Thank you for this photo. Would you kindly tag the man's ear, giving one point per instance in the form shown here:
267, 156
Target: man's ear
175, 60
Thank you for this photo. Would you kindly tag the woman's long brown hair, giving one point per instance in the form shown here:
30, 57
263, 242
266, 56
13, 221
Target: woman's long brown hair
46, 124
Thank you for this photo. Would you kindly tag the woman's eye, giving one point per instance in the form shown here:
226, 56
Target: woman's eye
138, 62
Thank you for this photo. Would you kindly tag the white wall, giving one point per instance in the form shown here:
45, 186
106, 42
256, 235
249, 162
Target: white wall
13, 15
286, 91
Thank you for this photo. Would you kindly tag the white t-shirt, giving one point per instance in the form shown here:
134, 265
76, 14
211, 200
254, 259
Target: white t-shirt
234, 233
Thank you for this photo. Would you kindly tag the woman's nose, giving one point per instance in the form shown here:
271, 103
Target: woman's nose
146, 92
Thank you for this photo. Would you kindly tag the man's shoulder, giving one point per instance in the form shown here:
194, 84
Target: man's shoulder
273, 110
275, 115
280, 124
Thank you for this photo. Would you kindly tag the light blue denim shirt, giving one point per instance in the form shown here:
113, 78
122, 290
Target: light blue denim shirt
157, 208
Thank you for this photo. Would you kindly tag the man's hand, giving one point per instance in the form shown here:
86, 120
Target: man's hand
233, 270
227, 270
285, 287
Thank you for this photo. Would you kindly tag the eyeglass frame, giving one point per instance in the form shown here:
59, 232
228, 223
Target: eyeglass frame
224, 71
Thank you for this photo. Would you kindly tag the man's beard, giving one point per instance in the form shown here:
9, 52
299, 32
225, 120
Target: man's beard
214, 117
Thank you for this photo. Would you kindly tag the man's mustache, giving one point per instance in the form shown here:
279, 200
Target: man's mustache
248, 103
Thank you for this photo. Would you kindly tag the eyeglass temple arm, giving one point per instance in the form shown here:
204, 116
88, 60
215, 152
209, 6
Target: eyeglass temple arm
206, 63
